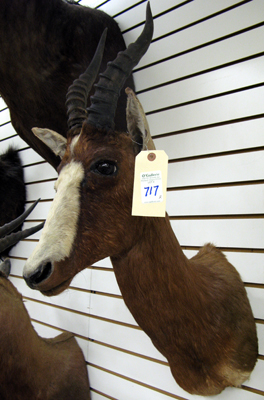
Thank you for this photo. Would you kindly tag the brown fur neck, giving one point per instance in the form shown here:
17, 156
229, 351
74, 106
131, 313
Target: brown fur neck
182, 305
155, 248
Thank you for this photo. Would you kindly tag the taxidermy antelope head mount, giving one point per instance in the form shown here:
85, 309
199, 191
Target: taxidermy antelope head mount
195, 311
95, 175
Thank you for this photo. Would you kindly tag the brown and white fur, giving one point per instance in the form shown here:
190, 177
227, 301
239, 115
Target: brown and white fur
195, 311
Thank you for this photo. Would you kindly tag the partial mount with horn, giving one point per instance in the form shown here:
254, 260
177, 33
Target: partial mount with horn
8, 239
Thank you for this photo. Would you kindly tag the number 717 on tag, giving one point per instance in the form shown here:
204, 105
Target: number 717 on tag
151, 187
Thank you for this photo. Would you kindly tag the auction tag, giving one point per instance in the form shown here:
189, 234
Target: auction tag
150, 184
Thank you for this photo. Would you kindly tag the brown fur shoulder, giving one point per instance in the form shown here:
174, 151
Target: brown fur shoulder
209, 250
63, 337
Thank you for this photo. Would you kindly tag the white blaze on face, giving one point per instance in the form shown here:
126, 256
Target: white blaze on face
60, 228
73, 143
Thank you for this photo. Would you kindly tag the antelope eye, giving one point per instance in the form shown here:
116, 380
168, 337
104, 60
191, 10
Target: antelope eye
107, 168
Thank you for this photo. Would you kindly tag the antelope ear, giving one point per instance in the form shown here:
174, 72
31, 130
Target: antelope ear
56, 142
137, 123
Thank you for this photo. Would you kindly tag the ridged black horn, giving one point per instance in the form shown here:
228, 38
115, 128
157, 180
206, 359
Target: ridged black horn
9, 227
104, 102
78, 92
14, 238
7, 240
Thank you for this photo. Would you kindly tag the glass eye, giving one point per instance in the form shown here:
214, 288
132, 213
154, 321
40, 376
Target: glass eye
107, 168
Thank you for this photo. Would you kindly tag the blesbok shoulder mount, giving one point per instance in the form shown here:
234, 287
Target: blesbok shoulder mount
195, 311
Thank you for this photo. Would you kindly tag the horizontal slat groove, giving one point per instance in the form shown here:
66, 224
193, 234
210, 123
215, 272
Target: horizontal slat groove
259, 321
201, 20
208, 126
249, 389
137, 382
154, 16
30, 240
104, 2
198, 73
84, 314
93, 267
215, 216
29, 202
102, 394
254, 285
128, 9
33, 164
223, 38
17, 258
231, 249
128, 352
40, 181
223, 153
36, 221
115, 296
214, 96
213, 185
4, 124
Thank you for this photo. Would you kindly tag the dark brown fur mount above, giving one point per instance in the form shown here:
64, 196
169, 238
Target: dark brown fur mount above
44, 46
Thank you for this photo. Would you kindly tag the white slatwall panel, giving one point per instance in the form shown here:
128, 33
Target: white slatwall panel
201, 84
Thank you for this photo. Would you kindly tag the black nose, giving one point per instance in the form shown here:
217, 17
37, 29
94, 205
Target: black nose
39, 275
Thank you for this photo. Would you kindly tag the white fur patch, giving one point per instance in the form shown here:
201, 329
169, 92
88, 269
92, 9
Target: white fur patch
60, 228
73, 143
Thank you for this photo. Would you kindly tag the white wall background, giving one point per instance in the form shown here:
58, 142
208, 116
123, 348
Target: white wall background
201, 84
